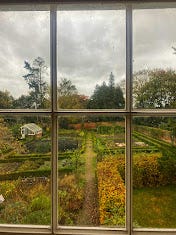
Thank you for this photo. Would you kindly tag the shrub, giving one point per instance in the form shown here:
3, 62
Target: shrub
39, 146
41, 202
70, 196
167, 166
14, 212
111, 191
146, 171
65, 144
28, 165
7, 188
152, 170
38, 217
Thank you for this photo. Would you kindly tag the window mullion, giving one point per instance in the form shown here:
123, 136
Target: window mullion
128, 118
54, 171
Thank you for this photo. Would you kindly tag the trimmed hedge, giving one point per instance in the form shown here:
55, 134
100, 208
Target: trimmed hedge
111, 191
26, 155
110, 129
152, 141
33, 173
10, 160
22, 174
153, 170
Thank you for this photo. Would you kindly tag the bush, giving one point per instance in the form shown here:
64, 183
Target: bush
146, 171
65, 144
29, 165
152, 170
167, 166
7, 188
70, 196
39, 146
14, 212
38, 217
111, 191
41, 202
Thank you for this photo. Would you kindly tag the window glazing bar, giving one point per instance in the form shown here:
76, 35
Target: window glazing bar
128, 118
54, 171
154, 231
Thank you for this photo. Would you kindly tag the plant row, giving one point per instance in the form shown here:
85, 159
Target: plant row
162, 145
33, 173
111, 192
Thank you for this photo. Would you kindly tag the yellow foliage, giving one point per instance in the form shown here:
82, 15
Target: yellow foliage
146, 171
111, 191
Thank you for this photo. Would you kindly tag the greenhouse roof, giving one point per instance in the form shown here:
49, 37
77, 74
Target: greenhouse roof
33, 127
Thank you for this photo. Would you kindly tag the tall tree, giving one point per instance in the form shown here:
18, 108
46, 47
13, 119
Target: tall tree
24, 101
68, 97
107, 96
6, 100
155, 89
35, 80
66, 88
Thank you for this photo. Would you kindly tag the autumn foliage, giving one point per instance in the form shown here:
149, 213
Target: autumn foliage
7, 142
111, 191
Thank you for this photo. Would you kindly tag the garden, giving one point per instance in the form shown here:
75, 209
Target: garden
91, 175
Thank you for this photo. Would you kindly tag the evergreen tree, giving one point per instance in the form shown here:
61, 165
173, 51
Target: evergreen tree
35, 81
107, 96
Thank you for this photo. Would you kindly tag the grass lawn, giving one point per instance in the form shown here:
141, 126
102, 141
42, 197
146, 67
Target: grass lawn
155, 207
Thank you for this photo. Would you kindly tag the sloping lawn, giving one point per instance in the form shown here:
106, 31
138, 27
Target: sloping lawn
155, 207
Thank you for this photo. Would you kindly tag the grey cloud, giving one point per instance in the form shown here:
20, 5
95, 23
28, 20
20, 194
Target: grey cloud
23, 36
154, 36
91, 45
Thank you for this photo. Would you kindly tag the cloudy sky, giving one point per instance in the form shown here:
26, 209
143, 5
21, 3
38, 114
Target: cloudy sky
91, 45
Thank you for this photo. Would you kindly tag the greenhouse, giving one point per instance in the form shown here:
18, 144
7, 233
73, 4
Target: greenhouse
31, 129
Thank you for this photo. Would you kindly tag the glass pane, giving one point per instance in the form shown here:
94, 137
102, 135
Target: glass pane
91, 165
25, 152
154, 172
24, 70
91, 59
154, 58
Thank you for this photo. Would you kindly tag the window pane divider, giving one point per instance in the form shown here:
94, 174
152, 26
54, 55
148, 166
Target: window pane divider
54, 118
128, 129
24, 229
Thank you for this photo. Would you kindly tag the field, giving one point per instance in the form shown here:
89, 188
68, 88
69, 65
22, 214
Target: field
91, 175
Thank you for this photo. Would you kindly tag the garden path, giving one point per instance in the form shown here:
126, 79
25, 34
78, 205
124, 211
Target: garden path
89, 214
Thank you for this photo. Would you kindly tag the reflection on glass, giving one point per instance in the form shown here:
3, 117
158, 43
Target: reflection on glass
154, 58
25, 152
91, 162
91, 59
24, 71
154, 172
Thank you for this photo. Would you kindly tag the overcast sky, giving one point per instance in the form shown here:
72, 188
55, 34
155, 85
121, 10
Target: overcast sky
91, 45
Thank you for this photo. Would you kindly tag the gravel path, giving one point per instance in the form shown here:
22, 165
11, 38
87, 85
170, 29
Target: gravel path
89, 214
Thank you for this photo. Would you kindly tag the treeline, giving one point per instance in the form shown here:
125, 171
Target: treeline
104, 96
151, 89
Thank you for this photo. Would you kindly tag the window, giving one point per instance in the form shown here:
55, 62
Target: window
87, 128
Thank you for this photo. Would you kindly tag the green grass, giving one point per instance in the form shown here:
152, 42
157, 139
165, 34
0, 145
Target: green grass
155, 207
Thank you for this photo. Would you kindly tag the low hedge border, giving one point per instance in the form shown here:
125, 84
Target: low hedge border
33, 173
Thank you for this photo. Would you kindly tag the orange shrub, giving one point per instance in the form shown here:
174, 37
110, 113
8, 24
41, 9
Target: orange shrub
111, 191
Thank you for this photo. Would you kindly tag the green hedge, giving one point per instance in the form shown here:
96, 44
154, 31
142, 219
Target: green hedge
33, 173
153, 170
10, 160
110, 129
165, 148
31, 155
22, 174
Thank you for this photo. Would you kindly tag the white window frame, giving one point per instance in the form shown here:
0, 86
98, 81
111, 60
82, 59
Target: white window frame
54, 113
